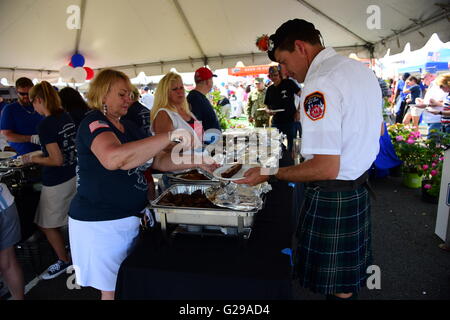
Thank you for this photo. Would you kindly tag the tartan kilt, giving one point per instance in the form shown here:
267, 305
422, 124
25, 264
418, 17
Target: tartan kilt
333, 241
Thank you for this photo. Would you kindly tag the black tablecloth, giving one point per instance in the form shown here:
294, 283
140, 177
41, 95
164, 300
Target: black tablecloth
195, 267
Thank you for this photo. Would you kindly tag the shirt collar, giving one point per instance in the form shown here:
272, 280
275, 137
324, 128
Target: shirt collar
318, 59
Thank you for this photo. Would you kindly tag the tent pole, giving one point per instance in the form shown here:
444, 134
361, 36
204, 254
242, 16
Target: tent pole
317, 11
191, 31
78, 38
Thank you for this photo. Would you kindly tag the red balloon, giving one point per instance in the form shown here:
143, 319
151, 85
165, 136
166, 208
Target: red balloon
70, 64
89, 73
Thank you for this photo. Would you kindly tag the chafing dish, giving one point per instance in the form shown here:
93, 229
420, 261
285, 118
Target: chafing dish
24, 173
236, 222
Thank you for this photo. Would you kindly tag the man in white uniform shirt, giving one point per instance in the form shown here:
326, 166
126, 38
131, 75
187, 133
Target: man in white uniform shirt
341, 123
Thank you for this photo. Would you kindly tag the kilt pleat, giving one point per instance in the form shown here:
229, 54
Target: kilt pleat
334, 241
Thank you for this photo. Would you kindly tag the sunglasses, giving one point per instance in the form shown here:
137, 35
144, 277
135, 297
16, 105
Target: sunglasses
22, 93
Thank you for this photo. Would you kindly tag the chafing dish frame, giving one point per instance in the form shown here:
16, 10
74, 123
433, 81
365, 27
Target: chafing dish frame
223, 217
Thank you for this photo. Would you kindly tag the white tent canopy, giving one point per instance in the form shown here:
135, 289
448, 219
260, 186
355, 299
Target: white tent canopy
153, 36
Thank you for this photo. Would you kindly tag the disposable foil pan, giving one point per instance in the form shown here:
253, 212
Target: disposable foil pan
176, 177
199, 216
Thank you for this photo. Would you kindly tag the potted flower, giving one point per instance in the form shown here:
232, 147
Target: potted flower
410, 148
431, 169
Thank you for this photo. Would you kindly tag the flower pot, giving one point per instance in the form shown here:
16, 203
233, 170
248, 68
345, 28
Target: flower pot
426, 197
412, 180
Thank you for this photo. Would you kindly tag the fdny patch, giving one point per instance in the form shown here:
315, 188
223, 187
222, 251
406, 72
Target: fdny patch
315, 105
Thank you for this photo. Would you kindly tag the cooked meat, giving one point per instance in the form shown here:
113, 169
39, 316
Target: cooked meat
231, 171
193, 175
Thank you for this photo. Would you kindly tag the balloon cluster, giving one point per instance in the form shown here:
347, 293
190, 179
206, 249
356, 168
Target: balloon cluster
75, 70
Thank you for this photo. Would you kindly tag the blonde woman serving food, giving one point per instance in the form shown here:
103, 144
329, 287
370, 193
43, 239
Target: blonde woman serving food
113, 155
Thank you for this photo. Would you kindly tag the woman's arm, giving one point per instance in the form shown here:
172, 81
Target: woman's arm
54, 159
162, 123
163, 162
113, 155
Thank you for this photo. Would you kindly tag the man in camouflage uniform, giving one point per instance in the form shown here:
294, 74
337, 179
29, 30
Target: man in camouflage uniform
255, 102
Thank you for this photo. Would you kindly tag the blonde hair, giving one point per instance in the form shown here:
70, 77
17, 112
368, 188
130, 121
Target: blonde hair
48, 94
443, 80
162, 95
101, 85
135, 92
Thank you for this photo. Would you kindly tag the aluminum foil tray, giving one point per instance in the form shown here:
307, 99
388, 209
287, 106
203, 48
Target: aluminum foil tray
175, 177
198, 216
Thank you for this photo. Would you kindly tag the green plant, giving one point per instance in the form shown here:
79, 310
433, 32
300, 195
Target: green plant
409, 146
433, 159
224, 122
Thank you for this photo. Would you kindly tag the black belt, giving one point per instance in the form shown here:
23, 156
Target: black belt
339, 185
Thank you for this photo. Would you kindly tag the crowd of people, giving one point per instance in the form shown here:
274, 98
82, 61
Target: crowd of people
415, 99
97, 159
98, 156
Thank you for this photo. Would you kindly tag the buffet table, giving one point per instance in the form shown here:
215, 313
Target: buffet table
193, 267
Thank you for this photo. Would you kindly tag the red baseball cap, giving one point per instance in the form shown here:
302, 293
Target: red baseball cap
203, 73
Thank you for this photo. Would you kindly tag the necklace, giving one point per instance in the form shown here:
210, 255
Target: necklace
26, 110
116, 122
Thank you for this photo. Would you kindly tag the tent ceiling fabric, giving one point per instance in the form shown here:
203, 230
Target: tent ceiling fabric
152, 36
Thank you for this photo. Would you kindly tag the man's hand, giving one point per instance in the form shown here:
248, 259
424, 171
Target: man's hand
253, 177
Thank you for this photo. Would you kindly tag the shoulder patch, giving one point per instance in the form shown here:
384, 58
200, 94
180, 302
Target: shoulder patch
315, 105
97, 125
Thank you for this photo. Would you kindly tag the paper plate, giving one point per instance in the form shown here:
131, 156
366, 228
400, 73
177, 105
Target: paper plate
238, 176
7, 154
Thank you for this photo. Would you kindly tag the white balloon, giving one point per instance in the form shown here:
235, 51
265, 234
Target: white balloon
79, 74
66, 73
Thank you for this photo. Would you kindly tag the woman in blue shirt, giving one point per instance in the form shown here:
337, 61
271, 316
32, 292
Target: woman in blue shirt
413, 92
113, 155
58, 158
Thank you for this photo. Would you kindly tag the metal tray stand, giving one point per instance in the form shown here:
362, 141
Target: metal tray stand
221, 217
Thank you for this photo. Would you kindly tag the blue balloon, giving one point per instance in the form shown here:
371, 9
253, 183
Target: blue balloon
77, 60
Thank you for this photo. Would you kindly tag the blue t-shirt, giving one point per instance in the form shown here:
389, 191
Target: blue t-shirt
104, 194
21, 120
203, 111
2, 105
400, 86
140, 116
415, 92
58, 129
